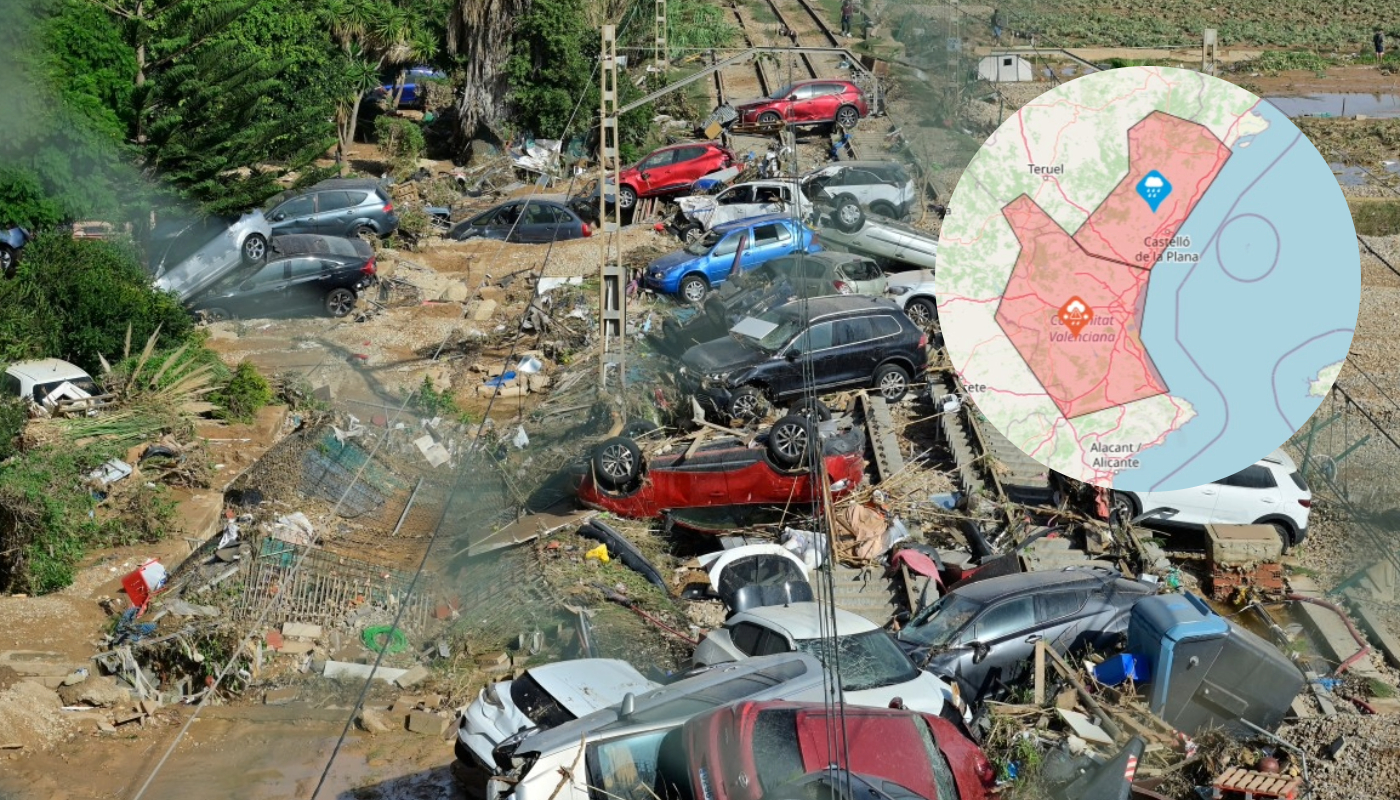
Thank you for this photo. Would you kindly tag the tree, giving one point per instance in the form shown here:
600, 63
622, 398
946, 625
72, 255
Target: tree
480, 36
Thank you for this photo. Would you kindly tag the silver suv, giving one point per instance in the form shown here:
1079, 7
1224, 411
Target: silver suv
335, 207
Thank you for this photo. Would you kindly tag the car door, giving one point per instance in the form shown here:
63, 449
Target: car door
766, 242
867, 187
816, 358
295, 215
825, 100
1249, 494
336, 212
655, 170
733, 203
536, 225
1007, 628
863, 276
308, 281
1064, 619
854, 358
262, 292
689, 167
1194, 506
721, 258
800, 107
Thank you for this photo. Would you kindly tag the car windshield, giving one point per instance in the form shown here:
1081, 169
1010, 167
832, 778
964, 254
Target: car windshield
775, 749
781, 94
42, 390
867, 660
936, 625
785, 327
644, 766
704, 245
539, 705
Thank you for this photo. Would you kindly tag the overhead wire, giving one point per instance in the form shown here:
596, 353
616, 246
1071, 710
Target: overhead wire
261, 619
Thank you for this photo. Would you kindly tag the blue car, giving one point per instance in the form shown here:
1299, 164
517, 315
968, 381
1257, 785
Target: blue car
12, 240
410, 97
704, 264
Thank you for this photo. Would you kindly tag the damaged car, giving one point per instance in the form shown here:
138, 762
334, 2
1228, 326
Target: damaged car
874, 670
52, 386
543, 697
814, 102
913, 292
983, 634
632, 750
192, 256
884, 188
694, 271
752, 749
771, 469
670, 170
531, 221
845, 342
12, 240
703, 212
334, 207
845, 226
303, 273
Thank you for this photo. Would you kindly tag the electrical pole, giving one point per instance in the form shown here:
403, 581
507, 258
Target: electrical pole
661, 55
613, 276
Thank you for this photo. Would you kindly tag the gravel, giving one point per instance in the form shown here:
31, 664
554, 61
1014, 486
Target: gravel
1366, 769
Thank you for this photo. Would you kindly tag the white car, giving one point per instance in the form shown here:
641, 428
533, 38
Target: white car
874, 670
844, 226
883, 187
913, 292
49, 383
1270, 491
702, 212
197, 255
543, 697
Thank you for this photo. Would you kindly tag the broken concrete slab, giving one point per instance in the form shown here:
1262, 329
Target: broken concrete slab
1333, 637
372, 721
1377, 631
537, 383
426, 722
484, 311
346, 669
1243, 544
277, 697
414, 676
300, 648
456, 292
301, 630
102, 691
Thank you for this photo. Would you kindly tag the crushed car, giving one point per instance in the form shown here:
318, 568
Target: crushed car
699, 213
12, 241
913, 292
885, 188
542, 697
52, 387
667, 171
845, 226
303, 273
770, 469
191, 256
982, 634
532, 221
692, 272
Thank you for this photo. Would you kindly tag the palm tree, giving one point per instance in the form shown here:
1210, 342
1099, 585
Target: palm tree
480, 32
422, 47
361, 76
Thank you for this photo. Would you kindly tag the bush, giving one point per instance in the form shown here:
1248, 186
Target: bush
401, 141
247, 392
74, 299
433, 402
13, 416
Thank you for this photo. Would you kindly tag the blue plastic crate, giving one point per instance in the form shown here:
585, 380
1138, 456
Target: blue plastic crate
1119, 668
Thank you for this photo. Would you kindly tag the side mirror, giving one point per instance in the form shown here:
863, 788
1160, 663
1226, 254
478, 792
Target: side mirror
278, 217
628, 706
792, 98
792, 354
980, 651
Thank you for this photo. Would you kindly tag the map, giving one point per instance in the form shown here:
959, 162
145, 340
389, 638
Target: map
1148, 279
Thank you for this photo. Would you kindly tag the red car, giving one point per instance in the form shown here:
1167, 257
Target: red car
748, 749
671, 169
725, 472
807, 103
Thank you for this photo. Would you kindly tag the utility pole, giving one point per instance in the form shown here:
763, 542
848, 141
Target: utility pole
1209, 51
661, 55
613, 276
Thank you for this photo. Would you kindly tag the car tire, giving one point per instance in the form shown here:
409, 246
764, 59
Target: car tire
1125, 504
884, 209
813, 409
921, 311
748, 403
216, 314
892, 382
8, 261
693, 289
789, 440
366, 232
692, 233
617, 462
847, 214
254, 248
1285, 533
769, 118
626, 197
340, 302
847, 117
638, 428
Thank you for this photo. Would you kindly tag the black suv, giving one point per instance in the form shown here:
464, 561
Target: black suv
839, 342
302, 272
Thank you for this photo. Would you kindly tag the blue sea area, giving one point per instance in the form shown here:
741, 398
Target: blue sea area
1272, 300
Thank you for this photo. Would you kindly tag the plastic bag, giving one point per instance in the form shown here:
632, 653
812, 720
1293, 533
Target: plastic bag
895, 533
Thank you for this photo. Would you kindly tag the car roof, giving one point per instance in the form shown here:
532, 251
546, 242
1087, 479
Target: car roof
1281, 458
748, 222
829, 305
46, 369
991, 589
345, 183
804, 620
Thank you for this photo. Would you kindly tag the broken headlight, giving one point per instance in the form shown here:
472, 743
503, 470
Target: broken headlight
898, 289
489, 695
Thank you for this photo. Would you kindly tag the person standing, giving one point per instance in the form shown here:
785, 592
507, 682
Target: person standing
996, 24
1379, 41
848, 8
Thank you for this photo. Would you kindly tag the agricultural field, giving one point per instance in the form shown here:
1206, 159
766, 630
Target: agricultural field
1342, 26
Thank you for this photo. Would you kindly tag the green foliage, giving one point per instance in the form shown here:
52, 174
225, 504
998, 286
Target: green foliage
550, 65
74, 299
247, 392
691, 25
401, 140
433, 402
1272, 62
13, 416
1376, 217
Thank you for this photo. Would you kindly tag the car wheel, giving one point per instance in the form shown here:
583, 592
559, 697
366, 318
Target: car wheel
814, 410
1285, 534
848, 215
748, 403
366, 232
216, 314
789, 440
254, 248
692, 233
884, 209
7, 261
769, 118
694, 288
847, 117
1124, 505
626, 197
638, 428
892, 382
340, 302
617, 462
921, 311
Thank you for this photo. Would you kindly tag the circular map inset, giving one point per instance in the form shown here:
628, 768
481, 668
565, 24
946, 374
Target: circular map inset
1148, 279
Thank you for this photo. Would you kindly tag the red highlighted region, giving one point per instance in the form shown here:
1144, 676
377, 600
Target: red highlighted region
1105, 265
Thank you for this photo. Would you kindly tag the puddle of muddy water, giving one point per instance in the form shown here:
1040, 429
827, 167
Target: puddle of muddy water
1348, 175
1338, 104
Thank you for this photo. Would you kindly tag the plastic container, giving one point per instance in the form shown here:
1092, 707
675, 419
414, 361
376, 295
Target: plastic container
1119, 668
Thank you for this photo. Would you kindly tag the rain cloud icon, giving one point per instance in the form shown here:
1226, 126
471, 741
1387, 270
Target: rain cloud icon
1154, 188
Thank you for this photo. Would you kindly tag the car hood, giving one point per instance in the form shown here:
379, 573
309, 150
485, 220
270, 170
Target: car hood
720, 355
585, 685
697, 205
925, 694
910, 279
670, 261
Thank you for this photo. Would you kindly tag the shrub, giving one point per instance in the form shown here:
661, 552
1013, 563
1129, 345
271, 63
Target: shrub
433, 402
401, 141
247, 392
13, 416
